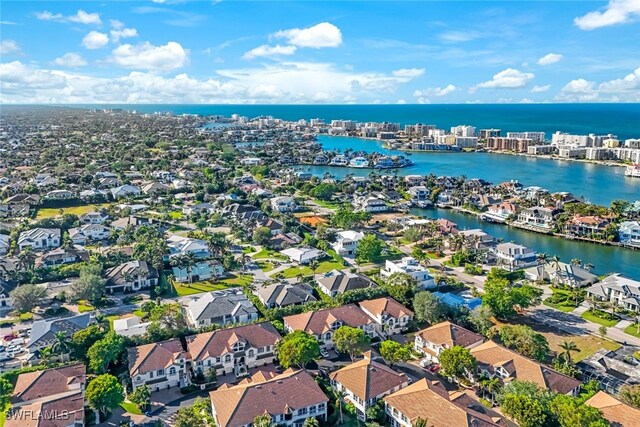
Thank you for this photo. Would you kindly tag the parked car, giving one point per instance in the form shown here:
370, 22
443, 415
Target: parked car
324, 353
4, 356
434, 368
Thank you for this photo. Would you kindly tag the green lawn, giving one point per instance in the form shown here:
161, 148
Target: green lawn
131, 408
175, 215
182, 289
138, 312
565, 308
113, 318
76, 210
632, 330
323, 267
266, 253
587, 315
266, 266
327, 204
237, 280
248, 249
84, 306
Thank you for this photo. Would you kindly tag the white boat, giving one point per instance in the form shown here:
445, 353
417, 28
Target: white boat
633, 171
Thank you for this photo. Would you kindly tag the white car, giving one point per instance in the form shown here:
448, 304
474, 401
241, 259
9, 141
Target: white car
324, 353
5, 356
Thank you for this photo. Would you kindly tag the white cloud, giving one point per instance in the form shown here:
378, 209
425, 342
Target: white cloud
540, 89
616, 12
401, 101
95, 40
526, 101
266, 51
115, 24
459, 36
145, 56
123, 33
626, 89
435, 91
550, 58
423, 100
9, 46
71, 60
317, 36
408, 72
81, 17
9, 23
508, 79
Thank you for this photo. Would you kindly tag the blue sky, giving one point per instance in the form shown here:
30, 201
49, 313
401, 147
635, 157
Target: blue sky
319, 52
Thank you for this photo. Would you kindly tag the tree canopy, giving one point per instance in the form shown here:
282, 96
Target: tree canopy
525, 341
394, 352
428, 307
369, 248
298, 348
505, 299
350, 340
104, 393
26, 297
457, 361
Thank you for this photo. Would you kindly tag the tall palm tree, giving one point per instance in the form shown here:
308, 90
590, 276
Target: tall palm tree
101, 321
543, 258
568, 347
576, 262
340, 395
27, 259
313, 265
311, 422
61, 345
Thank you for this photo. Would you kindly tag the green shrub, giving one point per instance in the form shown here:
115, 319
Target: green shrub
25, 317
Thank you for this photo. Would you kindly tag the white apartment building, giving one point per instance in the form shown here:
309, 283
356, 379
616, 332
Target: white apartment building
511, 256
590, 140
411, 267
535, 136
463, 130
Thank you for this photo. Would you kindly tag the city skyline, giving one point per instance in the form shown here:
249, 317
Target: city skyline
315, 53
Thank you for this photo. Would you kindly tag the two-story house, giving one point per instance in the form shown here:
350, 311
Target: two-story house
159, 365
220, 307
432, 341
411, 267
511, 256
89, 232
131, 276
619, 290
347, 242
390, 316
629, 233
536, 217
337, 282
280, 295
283, 204
233, 350
40, 238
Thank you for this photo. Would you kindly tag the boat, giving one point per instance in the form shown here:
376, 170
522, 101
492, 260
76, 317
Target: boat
633, 171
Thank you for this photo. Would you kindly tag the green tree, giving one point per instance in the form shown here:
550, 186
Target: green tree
141, 396
376, 412
263, 420
90, 285
569, 412
369, 248
187, 417
106, 351
428, 307
401, 287
61, 345
26, 297
6, 390
394, 352
262, 235
457, 362
82, 341
298, 348
346, 218
169, 319
104, 393
630, 394
505, 299
525, 341
350, 340
569, 347
480, 318
324, 191
527, 411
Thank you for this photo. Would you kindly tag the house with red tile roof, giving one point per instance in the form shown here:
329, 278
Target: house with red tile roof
390, 316
159, 365
432, 341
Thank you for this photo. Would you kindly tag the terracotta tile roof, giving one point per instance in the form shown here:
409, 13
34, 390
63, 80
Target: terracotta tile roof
319, 322
618, 413
239, 405
491, 355
57, 412
449, 334
154, 356
50, 382
367, 379
386, 305
217, 343
430, 401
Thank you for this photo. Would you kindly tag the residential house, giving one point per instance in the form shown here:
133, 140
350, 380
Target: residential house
40, 238
429, 400
94, 218
198, 208
432, 341
221, 308
365, 382
536, 217
616, 412
159, 365
561, 274
347, 242
617, 289
446, 227
275, 226
511, 256
323, 323
4, 244
280, 295
59, 195
419, 193
495, 360
179, 245
87, 233
369, 204
130, 222
336, 282
411, 267
283, 204
303, 255
203, 270
155, 188
49, 398
130, 326
60, 256
125, 191
412, 180
629, 233
233, 350
43, 332
590, 226
289, 398
500, 212
131, 276
391, 317
477, 240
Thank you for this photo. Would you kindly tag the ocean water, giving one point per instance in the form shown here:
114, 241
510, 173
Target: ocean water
619, 119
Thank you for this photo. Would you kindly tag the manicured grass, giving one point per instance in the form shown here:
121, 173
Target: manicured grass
112, 319
632, 330
248, 249
323, 267
327, 203
587, 315
76, 210
266, 266
564, 308
237, 280
131, 408
266, 253
139, 313
175, 215
183, 289
84, 306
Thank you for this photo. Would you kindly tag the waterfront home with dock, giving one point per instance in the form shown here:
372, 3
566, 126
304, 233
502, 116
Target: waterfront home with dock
538, 218
511, 256
619, 290
629, 233
412, 267
359, 162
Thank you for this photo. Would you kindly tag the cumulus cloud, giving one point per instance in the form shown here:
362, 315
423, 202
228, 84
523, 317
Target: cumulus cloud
123, 33
626, 89
266, 51
321, 35
146, 56
549, 58
81, 17
71, 60
292, 82
540, 89
435, 91
614, 13
507, 79
411, 73
9, 46
95, 40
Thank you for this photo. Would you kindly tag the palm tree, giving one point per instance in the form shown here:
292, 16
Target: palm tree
313, 265
311, 422
61, 345
420, 422
101, 321
568, 347
588, 266
576, 262
543, 258
26, 259
45, 355
340, 395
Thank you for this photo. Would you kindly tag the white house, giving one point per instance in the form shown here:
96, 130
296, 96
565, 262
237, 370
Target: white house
130, 326
369, 204
81, 235
179, 245
629, 233
159, 365
303, 255
203, 270
347, 242
94, 218
40, 238
125, 191
511, 256
221, 308
412, 267
283, 204
419, 193
537, 217
619, 290
391, 316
